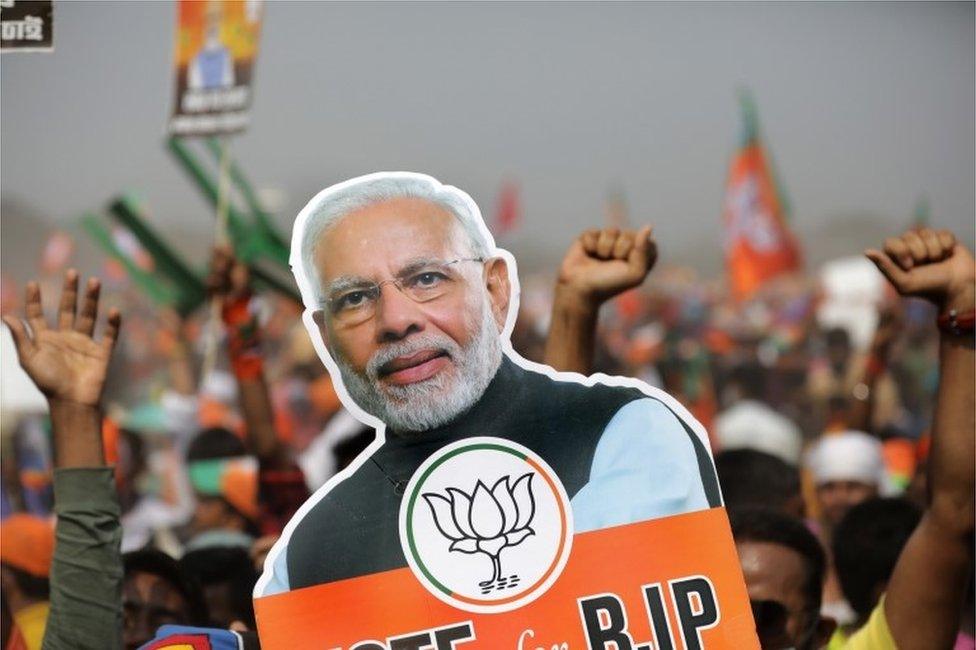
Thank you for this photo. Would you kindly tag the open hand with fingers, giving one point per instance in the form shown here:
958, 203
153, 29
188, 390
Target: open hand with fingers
66, 362
929, 264
601, 264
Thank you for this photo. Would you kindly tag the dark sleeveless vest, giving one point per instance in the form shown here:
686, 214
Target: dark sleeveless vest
352, 531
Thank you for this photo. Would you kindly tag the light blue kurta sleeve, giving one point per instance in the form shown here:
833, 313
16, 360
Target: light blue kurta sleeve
279, 575
644, 467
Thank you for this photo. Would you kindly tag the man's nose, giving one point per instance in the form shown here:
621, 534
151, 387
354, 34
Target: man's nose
397, 315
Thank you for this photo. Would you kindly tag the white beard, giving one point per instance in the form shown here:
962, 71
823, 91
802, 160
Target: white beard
436, 401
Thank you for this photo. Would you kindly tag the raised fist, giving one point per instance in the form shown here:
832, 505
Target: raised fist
229, 278
601, 264
929, 264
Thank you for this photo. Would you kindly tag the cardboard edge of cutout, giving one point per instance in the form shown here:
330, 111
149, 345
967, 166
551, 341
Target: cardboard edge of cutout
297, 264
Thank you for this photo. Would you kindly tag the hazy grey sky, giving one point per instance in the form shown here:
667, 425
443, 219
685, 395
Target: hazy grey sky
864, 107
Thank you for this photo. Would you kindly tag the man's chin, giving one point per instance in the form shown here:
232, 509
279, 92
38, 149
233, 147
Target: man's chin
422, 404
403, 394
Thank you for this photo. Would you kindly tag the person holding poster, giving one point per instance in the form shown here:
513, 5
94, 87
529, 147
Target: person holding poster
487, 470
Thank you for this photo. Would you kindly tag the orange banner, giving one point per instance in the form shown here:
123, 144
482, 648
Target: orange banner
667, 584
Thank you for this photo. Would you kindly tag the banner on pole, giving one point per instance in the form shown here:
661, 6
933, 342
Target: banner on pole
216, 49
26, 25
503, 504
758, 242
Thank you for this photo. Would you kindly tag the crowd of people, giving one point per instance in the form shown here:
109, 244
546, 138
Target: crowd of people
847, 470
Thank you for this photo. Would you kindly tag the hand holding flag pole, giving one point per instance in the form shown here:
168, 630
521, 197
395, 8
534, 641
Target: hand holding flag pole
221, 240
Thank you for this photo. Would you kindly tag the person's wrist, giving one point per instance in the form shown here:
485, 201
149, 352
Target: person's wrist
77, 427
236, 310
69, 404
575, 301
962, 300
956, 314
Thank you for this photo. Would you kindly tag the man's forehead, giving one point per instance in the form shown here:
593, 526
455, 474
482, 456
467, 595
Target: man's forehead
150, 586
775, 569
387, 233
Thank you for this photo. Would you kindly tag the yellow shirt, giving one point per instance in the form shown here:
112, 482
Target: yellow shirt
31, 621
873, 635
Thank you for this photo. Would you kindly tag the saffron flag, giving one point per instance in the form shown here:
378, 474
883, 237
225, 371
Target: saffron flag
508, 215
758, 241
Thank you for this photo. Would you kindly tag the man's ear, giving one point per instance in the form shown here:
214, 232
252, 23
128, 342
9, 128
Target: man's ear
499, 289
319, 317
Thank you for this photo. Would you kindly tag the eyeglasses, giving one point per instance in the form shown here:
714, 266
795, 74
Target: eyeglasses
356, 303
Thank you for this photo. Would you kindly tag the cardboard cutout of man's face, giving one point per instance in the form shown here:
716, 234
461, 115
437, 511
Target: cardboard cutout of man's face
486, 467
411, 315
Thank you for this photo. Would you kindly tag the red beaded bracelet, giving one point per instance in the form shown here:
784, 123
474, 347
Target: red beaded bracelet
952, 322
244, 341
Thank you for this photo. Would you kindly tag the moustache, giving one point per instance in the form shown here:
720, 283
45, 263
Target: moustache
440, 344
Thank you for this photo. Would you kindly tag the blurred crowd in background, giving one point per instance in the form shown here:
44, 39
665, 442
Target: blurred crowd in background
814, 399
143, 485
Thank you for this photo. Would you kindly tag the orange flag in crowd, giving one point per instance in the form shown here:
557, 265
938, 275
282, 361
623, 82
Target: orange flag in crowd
758, 241
508, 214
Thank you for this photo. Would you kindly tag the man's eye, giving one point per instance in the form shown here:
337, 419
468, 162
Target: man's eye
427, 279
351, 300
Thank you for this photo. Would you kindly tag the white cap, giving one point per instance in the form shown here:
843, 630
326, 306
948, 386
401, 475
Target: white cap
847, 456
753, 425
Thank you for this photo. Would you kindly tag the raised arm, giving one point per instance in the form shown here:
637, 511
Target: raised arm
863, 400
927, 589
177, 353
70, 367
230, 281
599, 265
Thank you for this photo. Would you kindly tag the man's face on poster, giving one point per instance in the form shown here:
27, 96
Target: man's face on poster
409, 312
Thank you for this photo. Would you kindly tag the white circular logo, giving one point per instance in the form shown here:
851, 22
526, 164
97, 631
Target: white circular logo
486, 525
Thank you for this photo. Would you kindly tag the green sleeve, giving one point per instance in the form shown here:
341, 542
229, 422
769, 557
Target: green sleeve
86, 574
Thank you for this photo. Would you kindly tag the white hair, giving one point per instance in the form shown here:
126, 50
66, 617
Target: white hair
333, 203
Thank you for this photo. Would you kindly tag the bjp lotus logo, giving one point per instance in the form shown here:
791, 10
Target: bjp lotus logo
487, 521
522, 524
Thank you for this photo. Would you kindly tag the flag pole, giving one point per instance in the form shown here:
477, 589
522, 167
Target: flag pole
220, 240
